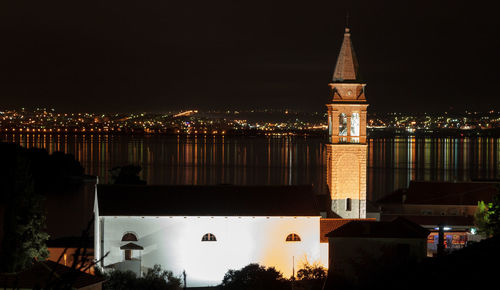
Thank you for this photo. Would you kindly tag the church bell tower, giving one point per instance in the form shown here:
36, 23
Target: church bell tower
347, 148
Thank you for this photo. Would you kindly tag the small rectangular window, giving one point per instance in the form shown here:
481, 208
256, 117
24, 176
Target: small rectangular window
348, 204
128, 255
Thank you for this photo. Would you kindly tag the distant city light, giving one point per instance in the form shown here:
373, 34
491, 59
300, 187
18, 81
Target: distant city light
267, 122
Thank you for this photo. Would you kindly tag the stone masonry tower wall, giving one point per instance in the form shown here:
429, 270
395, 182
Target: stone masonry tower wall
347, 147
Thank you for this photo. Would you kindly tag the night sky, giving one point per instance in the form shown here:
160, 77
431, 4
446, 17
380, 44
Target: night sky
109, 56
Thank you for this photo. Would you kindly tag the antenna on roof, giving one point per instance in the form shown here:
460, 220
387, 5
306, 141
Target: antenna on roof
347, 19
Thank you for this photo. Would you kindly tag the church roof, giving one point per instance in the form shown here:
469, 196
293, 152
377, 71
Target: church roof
346, 68
219, 200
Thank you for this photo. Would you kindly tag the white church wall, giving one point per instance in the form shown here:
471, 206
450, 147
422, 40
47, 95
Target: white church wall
324, 256
97, 230
175, 243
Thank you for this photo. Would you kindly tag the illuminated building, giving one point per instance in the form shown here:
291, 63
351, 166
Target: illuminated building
347, 147
432, 204
206, 230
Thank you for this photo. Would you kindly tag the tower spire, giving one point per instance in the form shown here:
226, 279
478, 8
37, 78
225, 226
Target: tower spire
346, 68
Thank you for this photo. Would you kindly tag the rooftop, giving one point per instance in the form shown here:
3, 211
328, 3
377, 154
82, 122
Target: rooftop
330, 224
219, 200
398, 228
435, 220
443, 193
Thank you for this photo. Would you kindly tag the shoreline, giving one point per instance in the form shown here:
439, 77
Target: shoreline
372, 133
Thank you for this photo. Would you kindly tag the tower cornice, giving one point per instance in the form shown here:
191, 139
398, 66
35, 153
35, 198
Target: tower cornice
347, 91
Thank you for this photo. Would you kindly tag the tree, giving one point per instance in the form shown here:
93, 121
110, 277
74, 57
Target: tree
27, 177
24, 238
254, 276
128, 174
120, 280
493, 223
311, 277
54, 173
154, 279
311, 272
487, 217
481, 218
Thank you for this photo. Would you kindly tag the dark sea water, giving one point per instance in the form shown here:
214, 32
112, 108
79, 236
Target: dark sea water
392, 162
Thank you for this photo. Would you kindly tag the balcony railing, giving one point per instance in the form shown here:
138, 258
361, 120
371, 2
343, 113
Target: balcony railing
348, 139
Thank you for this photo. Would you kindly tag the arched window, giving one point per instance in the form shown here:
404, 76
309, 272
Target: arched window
129, 237
293, 238
208, 238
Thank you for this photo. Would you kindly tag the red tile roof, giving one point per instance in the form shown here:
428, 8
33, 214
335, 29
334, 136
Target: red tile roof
327, 225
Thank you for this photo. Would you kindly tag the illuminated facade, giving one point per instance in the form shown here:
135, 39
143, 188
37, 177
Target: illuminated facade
347, 147
207, 230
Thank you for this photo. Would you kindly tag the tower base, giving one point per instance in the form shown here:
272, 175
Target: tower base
346, 178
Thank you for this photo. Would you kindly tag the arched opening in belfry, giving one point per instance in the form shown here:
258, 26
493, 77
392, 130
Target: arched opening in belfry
343, 126
355, 127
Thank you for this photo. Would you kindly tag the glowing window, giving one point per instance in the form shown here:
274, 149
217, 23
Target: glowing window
430, 239
208, 238
129, 237
293, 238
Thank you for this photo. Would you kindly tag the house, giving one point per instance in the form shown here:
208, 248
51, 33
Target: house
450, 205
206, 230
359, 247
72, 250
50, 275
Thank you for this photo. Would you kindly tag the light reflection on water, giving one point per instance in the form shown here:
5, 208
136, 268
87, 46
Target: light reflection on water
392, 162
